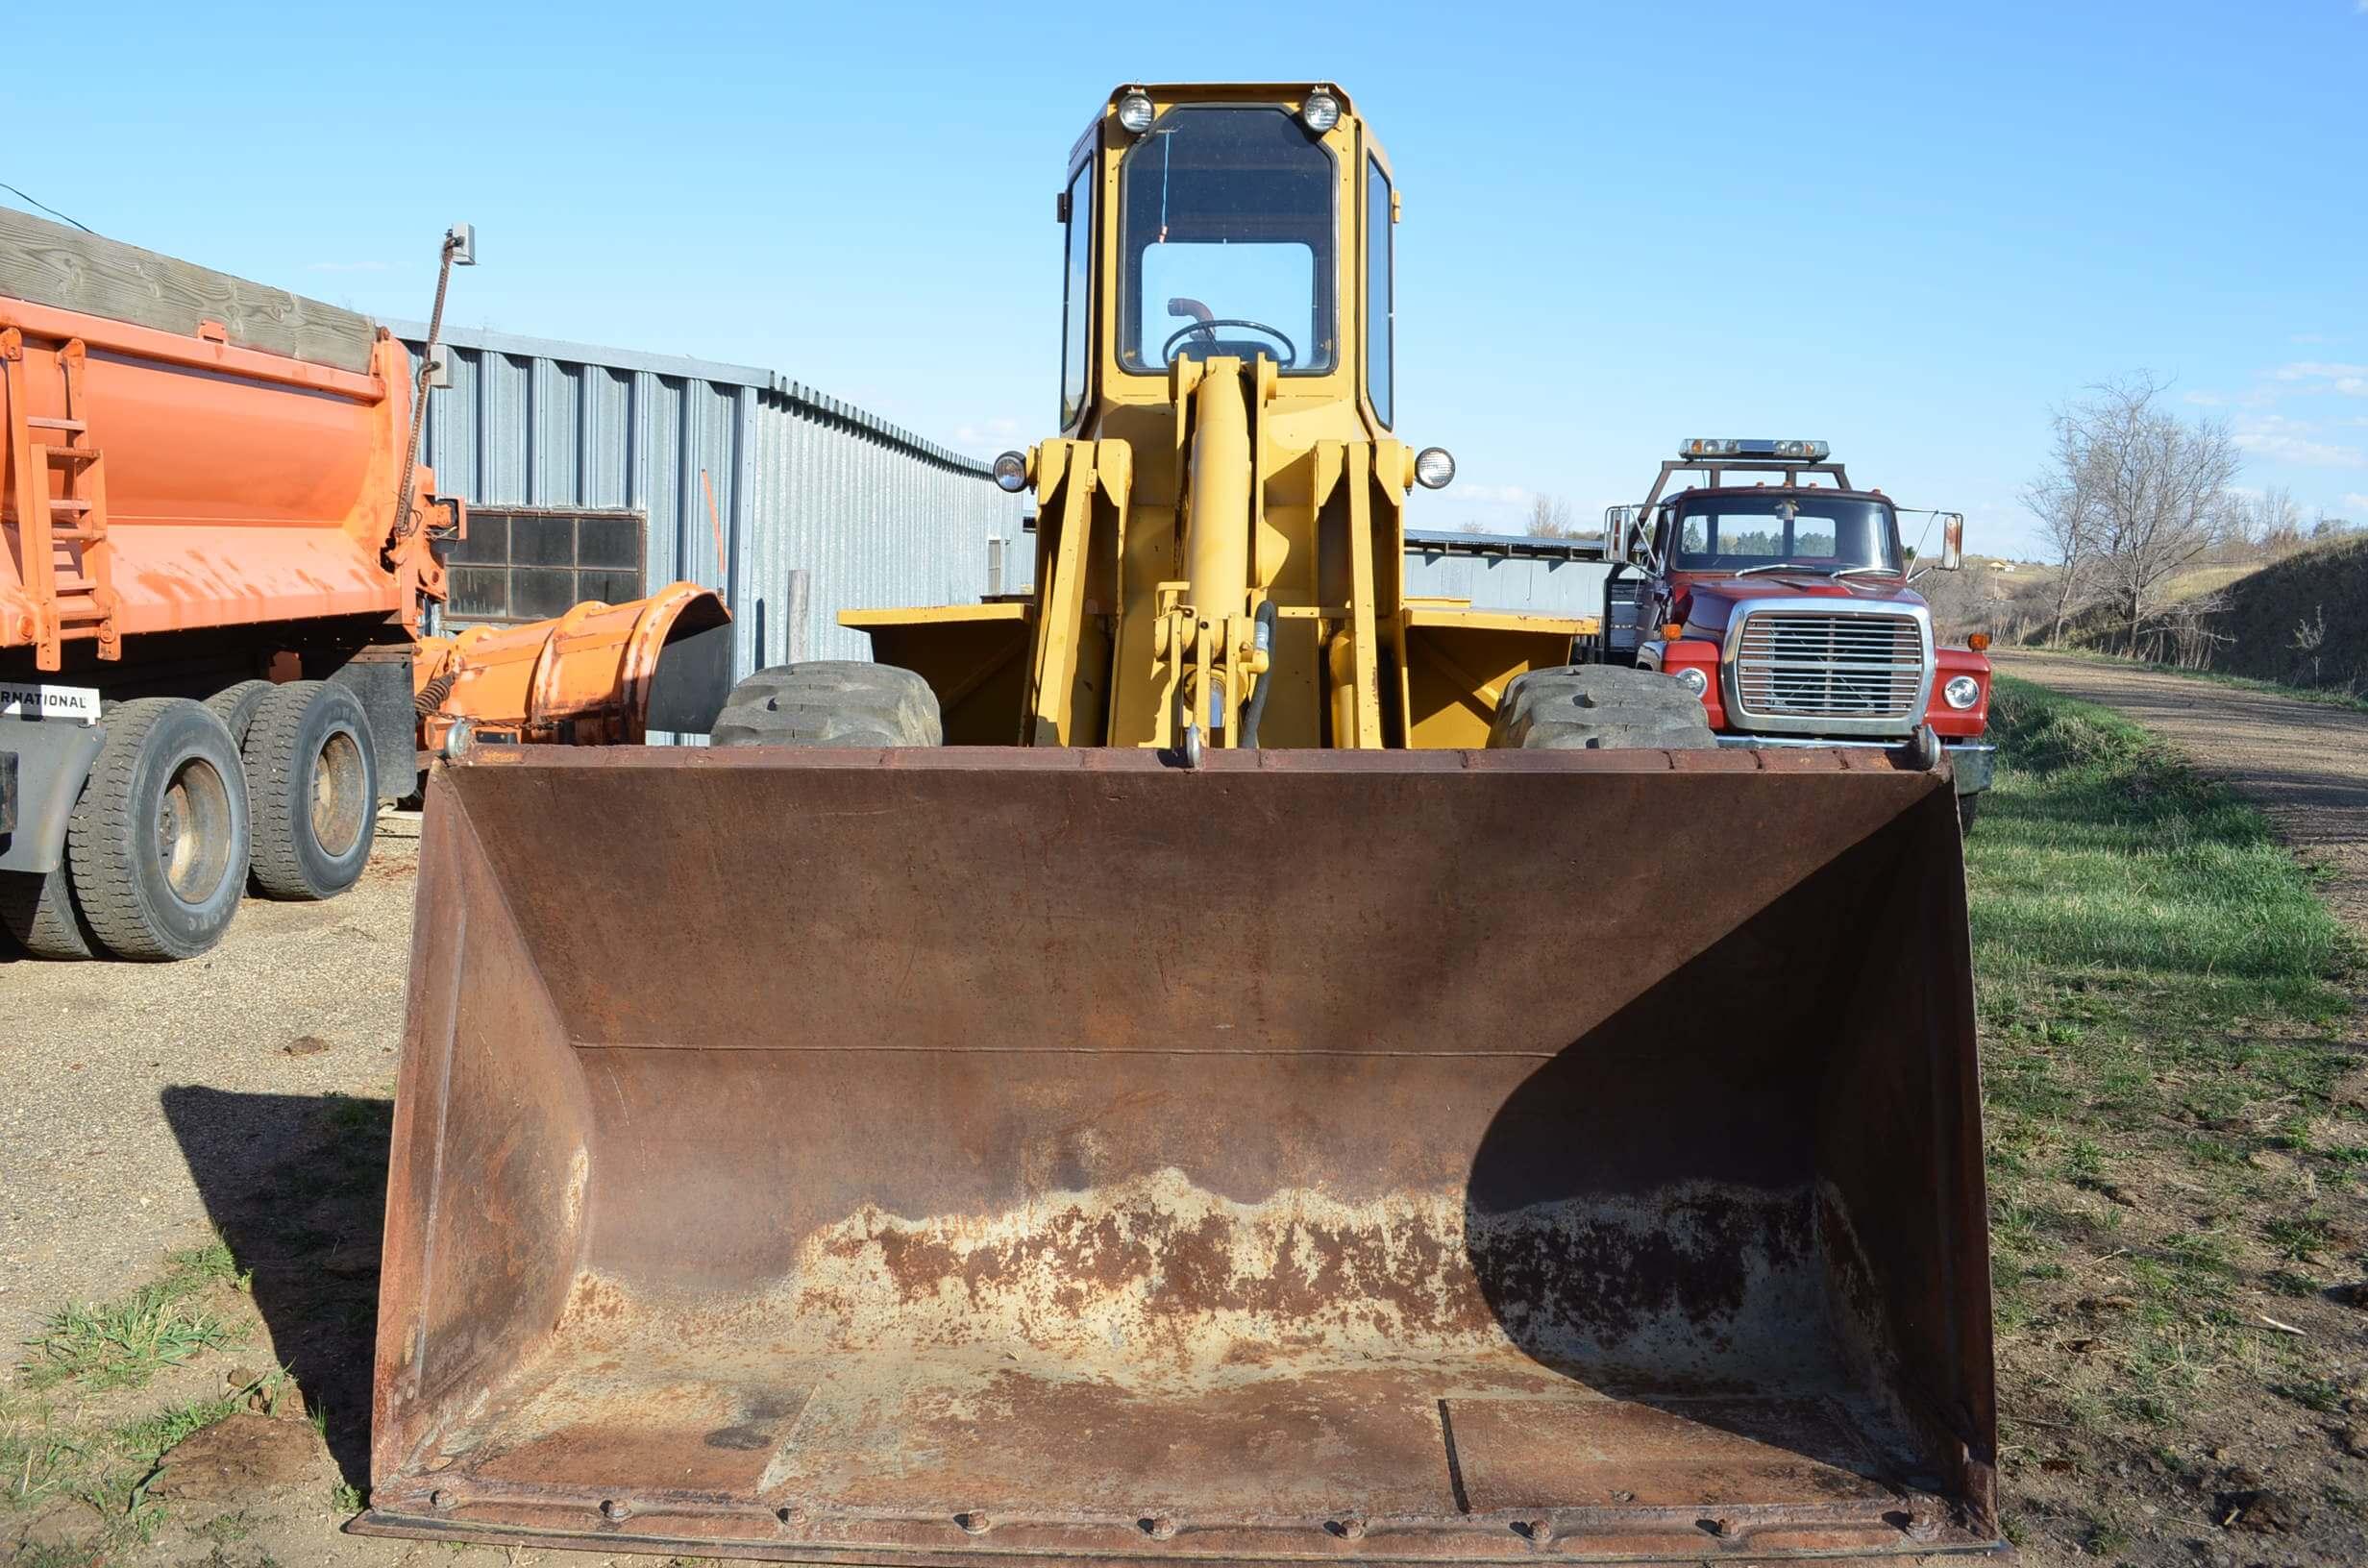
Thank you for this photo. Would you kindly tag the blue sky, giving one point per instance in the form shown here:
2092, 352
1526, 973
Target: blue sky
1908, 230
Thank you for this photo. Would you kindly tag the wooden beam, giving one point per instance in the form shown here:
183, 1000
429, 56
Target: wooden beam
49, 264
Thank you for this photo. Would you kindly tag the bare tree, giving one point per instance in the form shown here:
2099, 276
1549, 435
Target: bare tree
2151, 491
2276, 524
2064, 500
1549, 517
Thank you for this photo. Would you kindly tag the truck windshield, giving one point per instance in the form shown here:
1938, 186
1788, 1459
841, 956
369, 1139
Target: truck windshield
1817, 534
1227, 241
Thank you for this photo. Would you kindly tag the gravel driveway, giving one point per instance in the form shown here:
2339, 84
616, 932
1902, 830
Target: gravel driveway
301, 1000
2304, 764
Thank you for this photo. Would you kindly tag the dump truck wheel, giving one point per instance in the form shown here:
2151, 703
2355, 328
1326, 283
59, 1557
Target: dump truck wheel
312, 773
37, 909
1599, 706
156, 846
236, 707
830, 702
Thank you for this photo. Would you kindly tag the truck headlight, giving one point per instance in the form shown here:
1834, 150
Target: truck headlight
1320, 111
1135, 110
1694, 679
1434, 468
1011, 471
1961, 692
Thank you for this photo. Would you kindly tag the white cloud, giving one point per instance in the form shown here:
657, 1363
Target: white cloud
2356, 502
2204, 400
2312, 340
348, 266
2320, 376
2284, 440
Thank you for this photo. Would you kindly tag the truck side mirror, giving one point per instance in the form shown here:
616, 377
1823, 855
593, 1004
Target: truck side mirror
1951, 541
1618, 523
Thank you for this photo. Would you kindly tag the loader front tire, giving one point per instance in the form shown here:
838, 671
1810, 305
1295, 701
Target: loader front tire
1599, 707
841, 703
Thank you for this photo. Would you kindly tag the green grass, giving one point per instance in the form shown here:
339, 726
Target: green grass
2107, 876
2330, 697
125, 1342
2163, 1002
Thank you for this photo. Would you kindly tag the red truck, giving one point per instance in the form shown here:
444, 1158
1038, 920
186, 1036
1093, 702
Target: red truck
1787, 605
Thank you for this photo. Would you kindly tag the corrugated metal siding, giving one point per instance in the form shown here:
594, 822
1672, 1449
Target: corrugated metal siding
874, 515
1499, 579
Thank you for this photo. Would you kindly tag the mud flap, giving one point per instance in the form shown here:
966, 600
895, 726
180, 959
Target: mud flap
927, 1156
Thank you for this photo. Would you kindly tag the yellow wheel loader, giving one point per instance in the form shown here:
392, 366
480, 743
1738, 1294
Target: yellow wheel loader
1212, 1061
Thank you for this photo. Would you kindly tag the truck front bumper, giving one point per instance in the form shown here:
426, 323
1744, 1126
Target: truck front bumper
1972, 764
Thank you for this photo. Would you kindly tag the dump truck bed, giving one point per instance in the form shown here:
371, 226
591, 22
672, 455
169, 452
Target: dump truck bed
995, 1152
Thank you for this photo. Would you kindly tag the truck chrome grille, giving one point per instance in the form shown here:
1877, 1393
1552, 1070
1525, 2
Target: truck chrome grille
1794, 664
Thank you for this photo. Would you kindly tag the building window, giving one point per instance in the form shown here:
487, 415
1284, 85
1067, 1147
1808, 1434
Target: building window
532, 563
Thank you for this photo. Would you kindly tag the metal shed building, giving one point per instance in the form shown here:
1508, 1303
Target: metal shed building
589, 472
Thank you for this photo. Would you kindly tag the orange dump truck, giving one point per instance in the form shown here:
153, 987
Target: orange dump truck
217, 558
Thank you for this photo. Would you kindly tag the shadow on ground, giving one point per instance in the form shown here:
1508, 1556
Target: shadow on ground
297, 1185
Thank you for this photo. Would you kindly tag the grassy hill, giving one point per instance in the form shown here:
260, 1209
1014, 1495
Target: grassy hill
2256, 621
2317, 594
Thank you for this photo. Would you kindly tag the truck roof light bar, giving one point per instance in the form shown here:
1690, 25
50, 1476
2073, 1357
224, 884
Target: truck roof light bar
1807, 451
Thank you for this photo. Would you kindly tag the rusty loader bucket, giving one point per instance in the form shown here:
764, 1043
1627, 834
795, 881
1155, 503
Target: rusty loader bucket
940, 1156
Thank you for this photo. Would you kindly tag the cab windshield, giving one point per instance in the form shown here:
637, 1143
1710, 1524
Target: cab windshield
1826, 536
1225, 238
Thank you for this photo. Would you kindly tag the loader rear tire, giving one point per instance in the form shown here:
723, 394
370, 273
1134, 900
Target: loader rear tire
844, 702
1599, 707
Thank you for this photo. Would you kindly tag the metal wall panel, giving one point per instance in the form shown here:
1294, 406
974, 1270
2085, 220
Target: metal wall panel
874, 515
1544, 577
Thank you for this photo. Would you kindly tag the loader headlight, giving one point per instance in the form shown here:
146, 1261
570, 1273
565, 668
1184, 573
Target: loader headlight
1694, 679
1320, 111
1961, 692
1011, 471
1135, 110
1434, 468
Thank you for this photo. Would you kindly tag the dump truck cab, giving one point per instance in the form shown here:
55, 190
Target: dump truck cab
1787, 605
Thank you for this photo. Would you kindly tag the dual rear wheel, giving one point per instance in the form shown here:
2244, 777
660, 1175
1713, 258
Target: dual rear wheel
187, 802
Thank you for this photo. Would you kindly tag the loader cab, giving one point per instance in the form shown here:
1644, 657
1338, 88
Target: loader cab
1214, 222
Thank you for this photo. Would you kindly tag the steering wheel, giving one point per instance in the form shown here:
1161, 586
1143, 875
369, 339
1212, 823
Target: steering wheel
1166, 349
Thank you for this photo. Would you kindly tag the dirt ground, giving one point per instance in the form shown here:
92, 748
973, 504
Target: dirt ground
247, 1094
2304, 764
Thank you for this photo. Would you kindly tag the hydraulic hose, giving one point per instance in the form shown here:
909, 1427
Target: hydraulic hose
1257, 708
